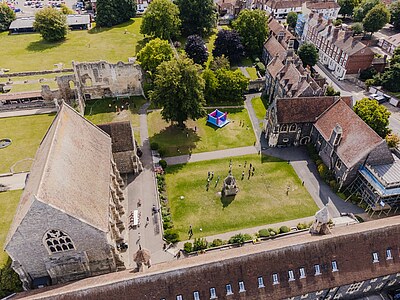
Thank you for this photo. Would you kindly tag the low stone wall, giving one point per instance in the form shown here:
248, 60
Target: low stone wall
32, 73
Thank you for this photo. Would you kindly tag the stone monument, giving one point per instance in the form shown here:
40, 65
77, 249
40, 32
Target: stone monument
229, 187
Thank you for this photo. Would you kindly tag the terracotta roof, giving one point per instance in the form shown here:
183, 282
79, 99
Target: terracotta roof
277, 27
19, 96
358, 138
71, 171
273, 47
279, 4
322, 5
302, 109
275, 66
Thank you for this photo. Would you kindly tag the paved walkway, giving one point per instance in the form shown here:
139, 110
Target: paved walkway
27, 112
143, 186
14, 182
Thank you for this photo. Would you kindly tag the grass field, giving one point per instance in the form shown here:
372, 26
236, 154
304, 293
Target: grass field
28, 52
31, 83
8, 205
252, 72
206, 137
262, 199
26, 134
259, 108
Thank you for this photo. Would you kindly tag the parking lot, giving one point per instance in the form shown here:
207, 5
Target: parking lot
29, 8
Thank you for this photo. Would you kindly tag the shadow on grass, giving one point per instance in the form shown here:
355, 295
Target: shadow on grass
175, 140
226, 200
174, 169
107, 105
140, 44
267, 159
42, 45
98, 29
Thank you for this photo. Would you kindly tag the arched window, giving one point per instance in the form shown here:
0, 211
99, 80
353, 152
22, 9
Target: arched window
293, 128
57, 241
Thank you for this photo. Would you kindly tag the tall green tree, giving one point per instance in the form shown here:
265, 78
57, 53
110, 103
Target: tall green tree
198, 16
220, 62
374, 114
153, 54
291, 19
376, 18
231, 85
308, 54
196, 49
161, 19
347, 7
51, 24
7, 15
228, 43
114, 12
210, 86
363, 8
395, 14
179, 90
252, 26
357, 28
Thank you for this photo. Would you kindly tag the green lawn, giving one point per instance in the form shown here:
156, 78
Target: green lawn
262, 199
259, 108
33, 82
252, 72
8, 205
26, 52
26, 134
206, 137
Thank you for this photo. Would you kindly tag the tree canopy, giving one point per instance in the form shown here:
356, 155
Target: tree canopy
51, 24
252, 26
357, 28
179, 90
198, 16
363, 8
291, 19
220, 62
114, 12
7, 15
395, 14
308, 54
153, 54
376, 18
196, 49
374, 114
228, 43
161, 20
347, 7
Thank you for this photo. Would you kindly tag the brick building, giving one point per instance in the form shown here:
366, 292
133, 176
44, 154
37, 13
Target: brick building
352, 261
68, 222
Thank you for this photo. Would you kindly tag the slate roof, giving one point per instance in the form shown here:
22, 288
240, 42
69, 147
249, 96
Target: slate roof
394, 39
302, 109
282, 4
358, 139
322, 5
388, 173
27, 22
71, 171
19, 96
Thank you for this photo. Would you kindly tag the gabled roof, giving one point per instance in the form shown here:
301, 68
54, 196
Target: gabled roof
358, 139
27, 22
121, 135
303, 109
275, 66
322, 5
274, 48
279, 4
71, 171
276, 27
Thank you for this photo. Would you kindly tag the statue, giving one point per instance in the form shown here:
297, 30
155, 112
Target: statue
229, 187
321, 222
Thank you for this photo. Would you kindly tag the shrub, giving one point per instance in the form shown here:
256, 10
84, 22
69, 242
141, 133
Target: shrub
171, 236
217, 243
263, 233
188, 247
322, 170
154, 146
392, 140
284, 229
333, 184
261, 68
9, 280
167, 225
272, 233
248, 237
162, 152
367, 73
338, 22
199, 244
301, 226
341, 195
237, 239
163, 164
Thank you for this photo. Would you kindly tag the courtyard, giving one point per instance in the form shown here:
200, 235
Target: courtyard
273, 194
198, 136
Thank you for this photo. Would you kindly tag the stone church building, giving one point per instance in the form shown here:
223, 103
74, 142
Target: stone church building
68, 222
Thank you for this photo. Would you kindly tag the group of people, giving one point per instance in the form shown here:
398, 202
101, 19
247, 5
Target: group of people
210, 176
252, 169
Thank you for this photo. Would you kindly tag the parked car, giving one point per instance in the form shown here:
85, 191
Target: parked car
379, 98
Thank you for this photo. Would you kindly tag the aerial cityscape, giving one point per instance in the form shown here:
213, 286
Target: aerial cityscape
200, 149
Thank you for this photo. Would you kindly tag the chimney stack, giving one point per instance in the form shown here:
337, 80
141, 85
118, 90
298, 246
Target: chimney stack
347, 34
335, 33
329, 30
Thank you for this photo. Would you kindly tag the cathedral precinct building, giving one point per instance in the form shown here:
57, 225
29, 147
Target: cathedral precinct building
68, 223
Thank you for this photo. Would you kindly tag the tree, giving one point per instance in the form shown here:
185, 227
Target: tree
252, 26
390, 78
9, 280
51, 24
114, 12
308, 54
231, 85
198, 16
66, 10
393, 140
374, 114
210, 85
219, 62
161, 19
338, 22
347, 7
395, 14
363, 8
228, 43
179, 90
291, 19
153, 54
330, 91
376, 18
357, 28
7, 15
196, 49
